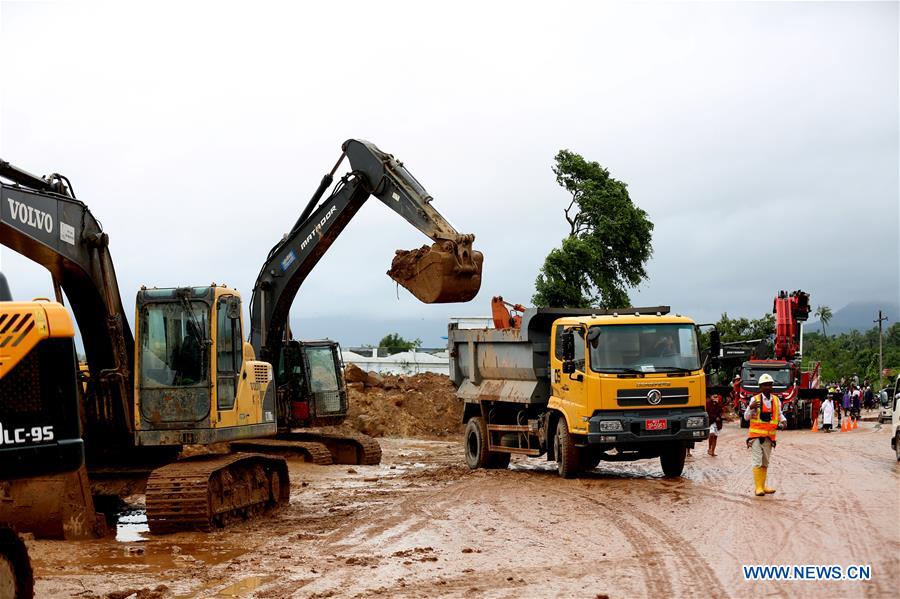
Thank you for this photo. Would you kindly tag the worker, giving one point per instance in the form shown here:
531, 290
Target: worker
714, 412
765, 417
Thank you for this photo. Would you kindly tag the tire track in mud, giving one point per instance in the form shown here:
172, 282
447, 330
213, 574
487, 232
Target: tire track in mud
689, 560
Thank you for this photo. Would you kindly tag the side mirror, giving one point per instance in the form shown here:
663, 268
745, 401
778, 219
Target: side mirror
715, 343
568, 346
568, 366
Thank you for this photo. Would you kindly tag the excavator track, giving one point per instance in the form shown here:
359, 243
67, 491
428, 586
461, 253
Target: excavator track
211, 491
345, 447
311, 451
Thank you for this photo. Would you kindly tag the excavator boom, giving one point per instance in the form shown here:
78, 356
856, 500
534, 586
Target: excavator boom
447, 271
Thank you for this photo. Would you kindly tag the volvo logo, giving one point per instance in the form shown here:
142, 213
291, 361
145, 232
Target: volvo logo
654, 397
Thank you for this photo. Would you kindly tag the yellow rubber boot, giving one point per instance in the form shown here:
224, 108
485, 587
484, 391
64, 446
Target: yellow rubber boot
767, 490
758, 476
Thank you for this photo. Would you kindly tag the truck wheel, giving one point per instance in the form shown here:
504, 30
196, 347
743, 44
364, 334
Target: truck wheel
477, 455
16, 578
897, 447
672, 459
567, 455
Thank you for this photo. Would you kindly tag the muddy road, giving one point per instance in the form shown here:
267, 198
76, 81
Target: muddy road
423, 524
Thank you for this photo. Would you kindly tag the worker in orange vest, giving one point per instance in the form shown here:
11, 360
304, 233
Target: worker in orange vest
764, 414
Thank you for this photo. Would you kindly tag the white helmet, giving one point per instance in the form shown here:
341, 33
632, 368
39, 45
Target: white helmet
766, 378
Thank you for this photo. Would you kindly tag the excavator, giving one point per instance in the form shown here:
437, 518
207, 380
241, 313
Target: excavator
186, 376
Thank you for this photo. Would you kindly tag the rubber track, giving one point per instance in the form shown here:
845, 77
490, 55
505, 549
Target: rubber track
178, 494
313, 452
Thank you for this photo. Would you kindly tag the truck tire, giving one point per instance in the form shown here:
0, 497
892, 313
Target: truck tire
672, 459
16, 577
897, 446
567, 454
477, 455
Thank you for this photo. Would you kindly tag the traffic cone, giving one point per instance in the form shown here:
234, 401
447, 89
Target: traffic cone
844, 425
815, 426
855, 425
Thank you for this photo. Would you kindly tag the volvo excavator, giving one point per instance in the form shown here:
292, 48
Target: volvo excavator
187, 377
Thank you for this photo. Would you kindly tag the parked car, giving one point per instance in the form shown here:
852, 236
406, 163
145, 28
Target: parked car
886, 401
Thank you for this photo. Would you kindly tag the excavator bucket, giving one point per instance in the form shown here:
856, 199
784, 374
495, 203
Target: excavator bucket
442, 273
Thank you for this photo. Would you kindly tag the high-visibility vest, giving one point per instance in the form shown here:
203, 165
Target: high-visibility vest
758, 428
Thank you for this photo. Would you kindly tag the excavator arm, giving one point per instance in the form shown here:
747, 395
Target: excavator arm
448, 271
41, 219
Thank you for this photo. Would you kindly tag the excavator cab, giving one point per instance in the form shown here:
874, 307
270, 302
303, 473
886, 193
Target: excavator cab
197, 382
311, 390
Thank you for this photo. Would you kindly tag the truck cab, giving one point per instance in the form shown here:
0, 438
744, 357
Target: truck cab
310, 386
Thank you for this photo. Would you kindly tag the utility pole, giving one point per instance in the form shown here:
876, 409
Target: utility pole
880, 320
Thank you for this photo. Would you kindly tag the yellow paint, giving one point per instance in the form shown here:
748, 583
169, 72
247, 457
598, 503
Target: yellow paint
43, 321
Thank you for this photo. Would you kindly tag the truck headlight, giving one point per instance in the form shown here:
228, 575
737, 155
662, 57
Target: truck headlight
696, 422
610, 426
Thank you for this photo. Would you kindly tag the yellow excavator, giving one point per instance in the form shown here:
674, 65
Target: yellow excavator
187, 377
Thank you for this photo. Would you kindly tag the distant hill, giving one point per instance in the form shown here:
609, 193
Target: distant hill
857, 316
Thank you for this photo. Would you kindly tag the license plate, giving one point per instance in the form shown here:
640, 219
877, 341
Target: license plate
656, 424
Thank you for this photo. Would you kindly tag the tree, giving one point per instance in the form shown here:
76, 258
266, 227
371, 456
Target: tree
609, 240
823, 313
396, 344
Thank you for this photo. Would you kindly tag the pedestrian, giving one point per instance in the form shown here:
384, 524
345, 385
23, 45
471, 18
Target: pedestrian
869, 398
855, 403
765, 417
714, 411
828, 413
736, 393
847, 401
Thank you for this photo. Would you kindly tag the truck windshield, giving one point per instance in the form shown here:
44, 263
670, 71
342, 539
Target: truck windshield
644, 348
750, 375
322, 373
174, 349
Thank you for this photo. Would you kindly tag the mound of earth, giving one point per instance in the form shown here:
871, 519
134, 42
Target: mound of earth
424, 405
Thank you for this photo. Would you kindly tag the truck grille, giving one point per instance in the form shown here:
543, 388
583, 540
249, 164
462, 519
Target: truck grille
640, 397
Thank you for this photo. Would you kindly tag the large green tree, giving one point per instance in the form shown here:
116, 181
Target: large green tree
609, 240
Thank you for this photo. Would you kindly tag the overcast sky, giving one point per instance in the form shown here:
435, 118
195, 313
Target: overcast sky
761, 139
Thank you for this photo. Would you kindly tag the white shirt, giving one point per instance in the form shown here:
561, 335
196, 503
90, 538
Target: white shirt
749, 413
827, 412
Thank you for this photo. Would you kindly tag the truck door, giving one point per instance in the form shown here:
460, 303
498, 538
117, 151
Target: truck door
570, 389
229, 353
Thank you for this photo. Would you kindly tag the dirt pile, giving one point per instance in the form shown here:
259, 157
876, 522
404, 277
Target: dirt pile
424, 405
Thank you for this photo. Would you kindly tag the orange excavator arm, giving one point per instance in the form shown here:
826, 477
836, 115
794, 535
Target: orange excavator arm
503, 318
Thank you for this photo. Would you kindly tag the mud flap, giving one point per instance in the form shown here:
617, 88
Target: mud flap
57, 506
441, 273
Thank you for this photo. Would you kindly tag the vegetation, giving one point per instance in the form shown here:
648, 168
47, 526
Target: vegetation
609, 241
823, 313
854, 353
396, 344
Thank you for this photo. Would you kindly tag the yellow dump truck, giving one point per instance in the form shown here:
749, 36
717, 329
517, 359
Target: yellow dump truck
581, 386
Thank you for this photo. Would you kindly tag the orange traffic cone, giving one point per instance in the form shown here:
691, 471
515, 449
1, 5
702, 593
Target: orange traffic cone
815, 426
855, 425
844, 425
